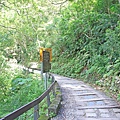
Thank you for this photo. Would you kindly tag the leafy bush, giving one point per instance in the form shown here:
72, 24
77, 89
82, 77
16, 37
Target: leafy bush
22, 89
88, 43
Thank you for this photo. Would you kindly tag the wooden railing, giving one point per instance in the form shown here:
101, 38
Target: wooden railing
34, 104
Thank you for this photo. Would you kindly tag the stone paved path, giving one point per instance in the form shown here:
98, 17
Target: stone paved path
81, 102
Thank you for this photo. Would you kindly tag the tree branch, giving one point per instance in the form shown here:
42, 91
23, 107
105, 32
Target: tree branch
8, 27
59, 3
9, 8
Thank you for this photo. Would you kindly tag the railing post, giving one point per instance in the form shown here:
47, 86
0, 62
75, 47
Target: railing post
48, 100
42, 70
53, 79
46, 86
36, 112
54, 92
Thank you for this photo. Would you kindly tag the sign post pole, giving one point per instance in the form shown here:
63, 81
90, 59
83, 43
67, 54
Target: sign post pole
45, 81
45, 58
42, 70
46, 86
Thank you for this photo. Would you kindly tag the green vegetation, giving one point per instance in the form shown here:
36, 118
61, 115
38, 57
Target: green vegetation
88, 43
22, 32
84, 37
18, 90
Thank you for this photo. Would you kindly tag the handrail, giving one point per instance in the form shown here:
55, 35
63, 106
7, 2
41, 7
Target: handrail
30, 105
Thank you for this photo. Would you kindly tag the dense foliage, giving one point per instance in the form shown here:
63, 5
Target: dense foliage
22, 32
88, 43
17, 90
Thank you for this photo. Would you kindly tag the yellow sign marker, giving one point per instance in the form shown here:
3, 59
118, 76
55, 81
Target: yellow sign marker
45, 49
41, 54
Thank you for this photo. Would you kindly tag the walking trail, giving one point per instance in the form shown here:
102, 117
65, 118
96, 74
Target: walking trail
82, 102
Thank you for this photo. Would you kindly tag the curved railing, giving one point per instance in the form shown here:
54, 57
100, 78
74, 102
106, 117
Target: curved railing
34, 104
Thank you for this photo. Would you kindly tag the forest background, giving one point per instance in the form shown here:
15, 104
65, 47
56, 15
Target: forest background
84, 37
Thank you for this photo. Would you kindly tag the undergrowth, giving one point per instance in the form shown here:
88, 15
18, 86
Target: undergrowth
22, 89
75, 67
88, 44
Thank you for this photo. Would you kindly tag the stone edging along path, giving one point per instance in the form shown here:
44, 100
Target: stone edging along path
82, 102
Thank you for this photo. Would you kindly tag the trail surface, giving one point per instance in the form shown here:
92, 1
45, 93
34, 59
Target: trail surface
82, 102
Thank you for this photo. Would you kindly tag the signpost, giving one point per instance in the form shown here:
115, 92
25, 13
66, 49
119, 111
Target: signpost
45, 58
46, 61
